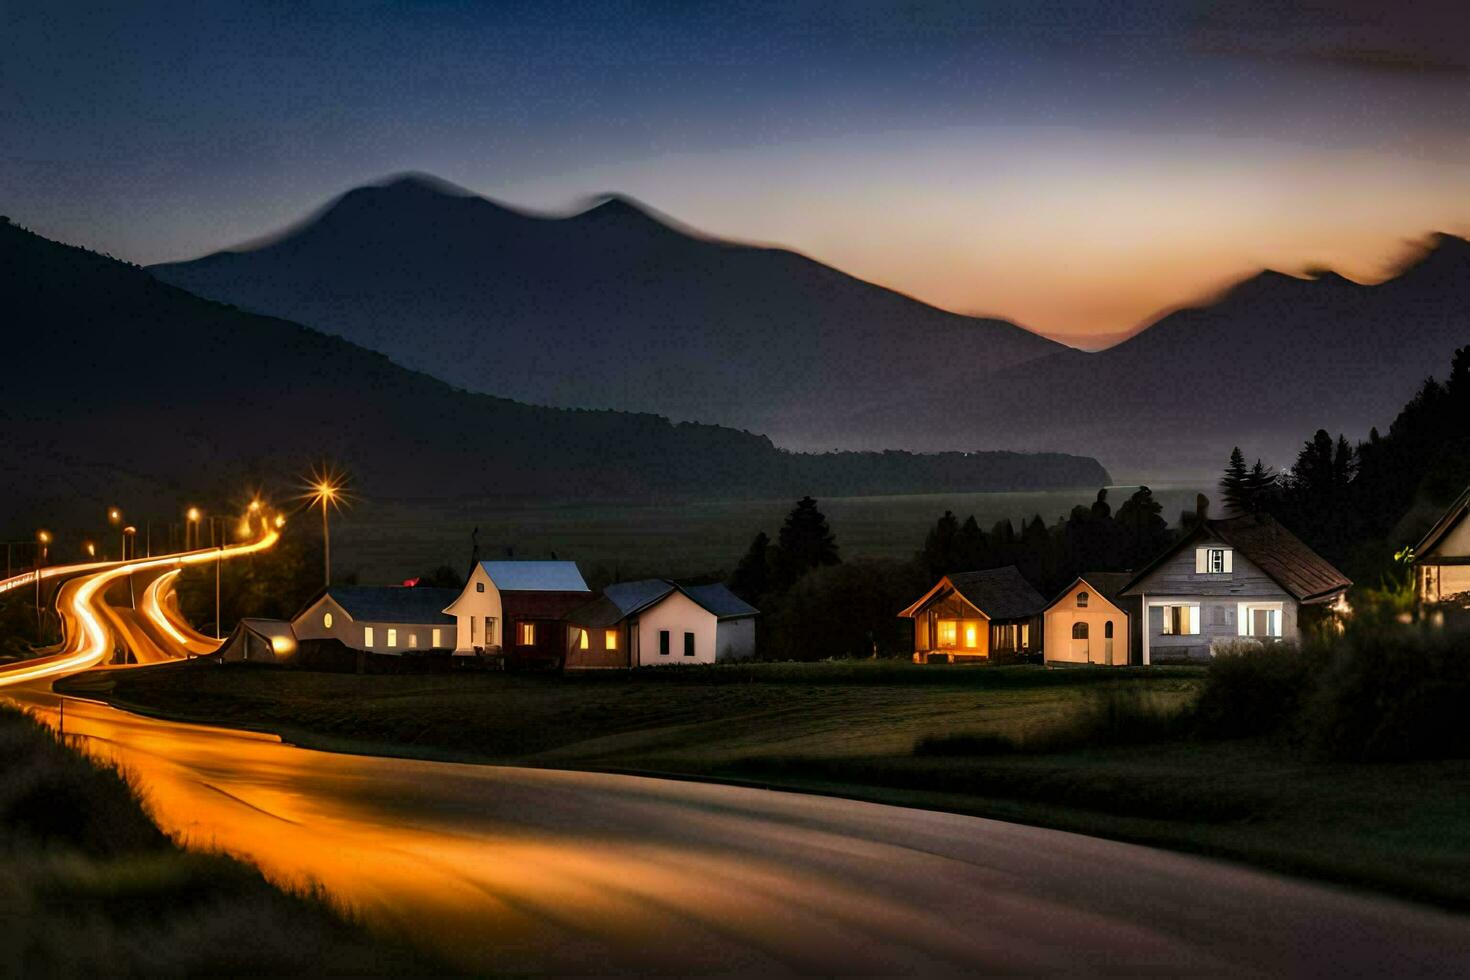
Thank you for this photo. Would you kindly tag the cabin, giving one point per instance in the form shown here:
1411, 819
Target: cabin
973, 616
1442, 559
389, 619
1091, 622
654, 622
1228, 582
515, 611
258, 640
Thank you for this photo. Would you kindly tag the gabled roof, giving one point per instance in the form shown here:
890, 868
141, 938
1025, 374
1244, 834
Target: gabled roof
1273, 549
535, 576
999, 593
1445, 524
1109, 585
624, 599
392, 603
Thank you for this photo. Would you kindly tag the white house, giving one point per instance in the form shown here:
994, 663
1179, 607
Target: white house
517, 609
654, 622
1442, 558
1089, 622
1243, 579
390, 619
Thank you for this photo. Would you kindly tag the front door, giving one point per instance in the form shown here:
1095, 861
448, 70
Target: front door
1080, 650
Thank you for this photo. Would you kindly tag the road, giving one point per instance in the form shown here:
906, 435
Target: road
512, 869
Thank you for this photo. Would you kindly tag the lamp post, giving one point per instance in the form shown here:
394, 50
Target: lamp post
130, 544
114, 517
191, 516
43, 542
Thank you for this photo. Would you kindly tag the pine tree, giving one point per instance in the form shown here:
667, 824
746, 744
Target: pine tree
1234, 485
805, 543
941, 546
1261, 485
752, 576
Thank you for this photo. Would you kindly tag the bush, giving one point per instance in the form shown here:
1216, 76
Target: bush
1255, 690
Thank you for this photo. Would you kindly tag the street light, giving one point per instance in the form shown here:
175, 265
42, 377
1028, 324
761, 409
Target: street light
192, 515
43, 542
114, 517
130, 545
327, 488
90, 548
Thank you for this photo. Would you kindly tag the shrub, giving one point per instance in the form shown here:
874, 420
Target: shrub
1254, 690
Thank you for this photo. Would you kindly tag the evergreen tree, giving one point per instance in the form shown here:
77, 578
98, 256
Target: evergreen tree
1260, 489
971, 546
1145, 532
805, 542
940, 554
752, 576
1234, 485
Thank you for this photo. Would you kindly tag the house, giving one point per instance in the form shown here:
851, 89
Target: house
1442, 558
654, 622
517, 609
391, 619
259, 641
1228, 581
977, 616
1090, 622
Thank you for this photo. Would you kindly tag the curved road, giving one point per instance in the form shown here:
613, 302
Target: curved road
510, 869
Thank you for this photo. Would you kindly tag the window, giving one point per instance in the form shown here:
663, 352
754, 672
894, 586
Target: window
1181, 620
472, 629
479, 586
972, 636
1108, 630
1026, 635
413, 641
392, 638
584, 641
688, 644
327, 620
367, 636
434, 639
949, 632
526, 634
610, 640
1082, 600
1079, 631
663, 643
1213, 561
1261, 621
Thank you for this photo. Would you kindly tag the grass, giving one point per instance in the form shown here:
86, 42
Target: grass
1104, 752
91, 886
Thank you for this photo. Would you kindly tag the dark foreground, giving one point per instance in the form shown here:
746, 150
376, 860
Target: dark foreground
533, 869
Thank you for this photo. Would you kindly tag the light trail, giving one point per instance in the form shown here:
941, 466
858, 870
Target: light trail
88, 638
153, 606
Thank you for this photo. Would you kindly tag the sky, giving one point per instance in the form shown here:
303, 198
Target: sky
1076, 168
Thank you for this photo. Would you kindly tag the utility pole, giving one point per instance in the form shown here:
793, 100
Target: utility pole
218, 558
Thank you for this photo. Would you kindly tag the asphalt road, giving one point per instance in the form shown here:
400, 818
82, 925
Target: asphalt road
510, 869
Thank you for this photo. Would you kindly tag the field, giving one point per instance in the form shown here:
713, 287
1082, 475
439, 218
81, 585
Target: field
386, 541
851, 729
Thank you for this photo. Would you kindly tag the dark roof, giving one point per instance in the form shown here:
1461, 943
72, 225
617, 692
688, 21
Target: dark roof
1283, 556
1444, 525
1109, 585
520, 575
1000, 593
623, 599
718, 599
394, 603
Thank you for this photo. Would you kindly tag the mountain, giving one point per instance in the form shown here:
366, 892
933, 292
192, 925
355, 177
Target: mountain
1272, 358
613, 307
122, 384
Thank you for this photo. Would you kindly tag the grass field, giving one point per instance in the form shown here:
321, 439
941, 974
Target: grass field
89, 886
387, 541
851, 729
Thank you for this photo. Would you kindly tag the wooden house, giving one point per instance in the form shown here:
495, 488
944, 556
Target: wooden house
1442, 558
654, 622
515, 611
968, 616
1227, 582
1091, 622
391, 619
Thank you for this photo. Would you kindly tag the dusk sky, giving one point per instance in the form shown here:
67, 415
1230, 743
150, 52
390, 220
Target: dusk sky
1076, 170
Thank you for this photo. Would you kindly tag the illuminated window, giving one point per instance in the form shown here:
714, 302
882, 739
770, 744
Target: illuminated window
434, 639
948, 632
610, 640
584, 642
972, 636
479, 586
526, 634
1082, 600
1181, 620
413, 640
392, 638
327, 620
663, 643
688, 644
1025, 634
367, 636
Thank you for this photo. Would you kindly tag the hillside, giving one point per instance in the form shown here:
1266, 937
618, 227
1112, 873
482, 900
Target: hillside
613, 307
129, 384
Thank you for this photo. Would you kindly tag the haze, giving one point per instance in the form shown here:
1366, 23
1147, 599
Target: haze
1073, 170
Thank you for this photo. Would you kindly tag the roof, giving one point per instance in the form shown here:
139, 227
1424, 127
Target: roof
1109, 585
394, 603
268, 628
535, 576
1445, 524
624, 599
1273, 549
999, 593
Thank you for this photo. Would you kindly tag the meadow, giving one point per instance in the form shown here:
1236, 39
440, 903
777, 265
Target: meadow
389, 540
